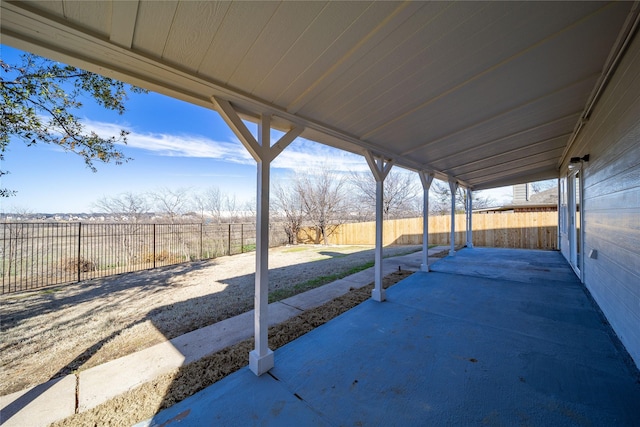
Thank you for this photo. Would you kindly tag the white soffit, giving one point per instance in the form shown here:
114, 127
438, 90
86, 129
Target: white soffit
488, 93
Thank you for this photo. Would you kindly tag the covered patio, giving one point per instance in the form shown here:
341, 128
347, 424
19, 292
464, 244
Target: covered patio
476, 94
490, 336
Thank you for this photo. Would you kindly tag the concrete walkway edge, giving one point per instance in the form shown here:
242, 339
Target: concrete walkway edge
57, 399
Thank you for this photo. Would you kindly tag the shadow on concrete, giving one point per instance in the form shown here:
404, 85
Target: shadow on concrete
543, 238
163, 318
491, 336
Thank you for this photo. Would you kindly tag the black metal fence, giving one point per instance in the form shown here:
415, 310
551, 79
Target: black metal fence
34, 255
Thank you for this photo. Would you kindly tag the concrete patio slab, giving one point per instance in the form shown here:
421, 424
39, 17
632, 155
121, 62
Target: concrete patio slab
239, 407
96, 385
446, 349
519, 265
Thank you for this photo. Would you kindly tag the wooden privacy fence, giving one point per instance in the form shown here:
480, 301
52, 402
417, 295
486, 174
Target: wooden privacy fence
526, 230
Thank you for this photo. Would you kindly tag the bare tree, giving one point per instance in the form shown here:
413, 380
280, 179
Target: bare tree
401, 189
479, 198
288, 203
208, 203
323, 199
213, 203
133, 207
21, 213
199, 206
249, 211
221, 206
440, 199
540, 186
172, 203
231, 208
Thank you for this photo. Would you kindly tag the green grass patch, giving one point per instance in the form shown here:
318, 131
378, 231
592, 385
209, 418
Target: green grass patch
410, 251
323, 257
295, 249
31, 293
280, 294
347, 249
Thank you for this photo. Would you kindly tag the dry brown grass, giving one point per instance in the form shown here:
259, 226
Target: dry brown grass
144, 401
53, 332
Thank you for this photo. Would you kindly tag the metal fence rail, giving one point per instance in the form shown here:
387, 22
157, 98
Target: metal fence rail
34, 255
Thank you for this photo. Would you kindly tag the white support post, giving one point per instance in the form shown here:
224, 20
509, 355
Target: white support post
469, 209
453, 186
261, 359
426, 180
380, 170
558, 228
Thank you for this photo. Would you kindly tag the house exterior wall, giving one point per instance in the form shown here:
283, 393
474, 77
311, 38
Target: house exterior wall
611, 202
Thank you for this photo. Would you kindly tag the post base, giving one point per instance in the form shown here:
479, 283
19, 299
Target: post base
424, 267
260, 365
452, 253
378, 295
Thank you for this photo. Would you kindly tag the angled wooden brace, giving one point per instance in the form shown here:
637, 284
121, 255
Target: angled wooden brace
469, 210
453, 186
426, 179
380, 170
378, 167
261, 359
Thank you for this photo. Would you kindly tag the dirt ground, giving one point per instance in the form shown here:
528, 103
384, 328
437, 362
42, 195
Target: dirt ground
56, 331
144, 401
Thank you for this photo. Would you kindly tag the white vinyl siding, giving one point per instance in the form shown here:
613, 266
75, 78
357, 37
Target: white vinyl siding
612, 201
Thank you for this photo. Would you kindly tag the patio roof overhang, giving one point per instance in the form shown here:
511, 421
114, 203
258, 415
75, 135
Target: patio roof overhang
484, 93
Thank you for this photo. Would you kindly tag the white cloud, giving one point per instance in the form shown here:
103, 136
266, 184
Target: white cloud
301, 155
305, 155
176, 145
500, 195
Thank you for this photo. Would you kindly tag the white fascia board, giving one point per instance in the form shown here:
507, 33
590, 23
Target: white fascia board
46, 36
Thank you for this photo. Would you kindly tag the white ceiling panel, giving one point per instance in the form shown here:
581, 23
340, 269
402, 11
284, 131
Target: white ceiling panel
409, 50
486, 159
234, 38
375, 24
332, 21
153, 24
448, 59
286, 26
53, 7
193, 28
486, 93
541, 69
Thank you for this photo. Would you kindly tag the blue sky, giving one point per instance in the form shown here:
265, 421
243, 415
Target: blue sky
173, 144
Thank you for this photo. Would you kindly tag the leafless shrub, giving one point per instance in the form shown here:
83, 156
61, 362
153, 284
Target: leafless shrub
162, 256
81, 264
